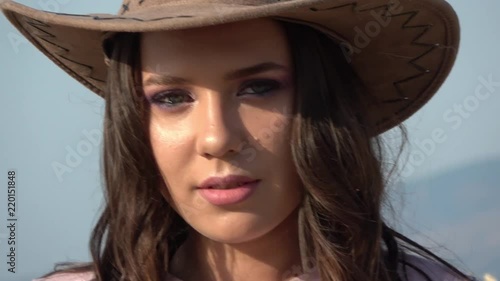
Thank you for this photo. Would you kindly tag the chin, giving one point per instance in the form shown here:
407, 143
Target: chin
234, 230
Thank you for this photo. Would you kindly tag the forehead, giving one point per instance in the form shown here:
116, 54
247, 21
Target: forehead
238, 43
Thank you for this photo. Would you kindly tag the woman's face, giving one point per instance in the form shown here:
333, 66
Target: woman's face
213, 120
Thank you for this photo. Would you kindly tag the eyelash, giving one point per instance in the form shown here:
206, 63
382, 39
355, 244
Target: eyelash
160, 97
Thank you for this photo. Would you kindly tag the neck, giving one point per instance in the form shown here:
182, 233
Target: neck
273, 256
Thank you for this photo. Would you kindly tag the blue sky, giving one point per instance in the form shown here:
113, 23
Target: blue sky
448, 198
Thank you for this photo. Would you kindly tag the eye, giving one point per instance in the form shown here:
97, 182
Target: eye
261, 87
173, 98
170, 98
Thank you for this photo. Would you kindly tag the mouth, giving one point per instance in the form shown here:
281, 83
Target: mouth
229, 186
228, 193
226, 182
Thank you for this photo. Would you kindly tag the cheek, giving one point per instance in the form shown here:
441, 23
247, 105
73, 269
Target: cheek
169, 140
272, 131
170, 145
166, 136
274, 140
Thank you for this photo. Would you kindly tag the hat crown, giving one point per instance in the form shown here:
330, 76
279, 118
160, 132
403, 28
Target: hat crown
137, 5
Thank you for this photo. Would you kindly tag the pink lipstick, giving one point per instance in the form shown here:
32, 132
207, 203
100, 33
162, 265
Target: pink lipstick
227, 190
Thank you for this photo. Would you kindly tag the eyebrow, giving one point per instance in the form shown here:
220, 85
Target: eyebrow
164, 79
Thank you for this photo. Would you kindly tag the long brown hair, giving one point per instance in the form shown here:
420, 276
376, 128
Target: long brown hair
337, 157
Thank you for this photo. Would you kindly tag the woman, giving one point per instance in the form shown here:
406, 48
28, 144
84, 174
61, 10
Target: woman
243, 144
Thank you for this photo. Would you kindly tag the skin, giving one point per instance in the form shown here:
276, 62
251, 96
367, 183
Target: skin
217, 127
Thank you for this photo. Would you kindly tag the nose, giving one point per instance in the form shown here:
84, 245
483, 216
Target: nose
219, 128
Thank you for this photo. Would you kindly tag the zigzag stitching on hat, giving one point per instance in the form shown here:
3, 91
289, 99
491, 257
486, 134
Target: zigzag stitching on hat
385, 7
423, 70
54, 44
90, 68
47, 34
354, 4
35, 24
355, 7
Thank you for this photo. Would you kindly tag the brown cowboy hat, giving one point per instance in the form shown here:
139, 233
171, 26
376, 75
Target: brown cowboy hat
403, 50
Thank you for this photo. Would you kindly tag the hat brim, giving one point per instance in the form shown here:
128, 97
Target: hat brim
402, 50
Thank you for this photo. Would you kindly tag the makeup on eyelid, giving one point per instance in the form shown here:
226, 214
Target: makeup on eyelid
154, 96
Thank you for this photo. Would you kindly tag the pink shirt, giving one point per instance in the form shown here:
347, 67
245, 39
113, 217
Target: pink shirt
436, 272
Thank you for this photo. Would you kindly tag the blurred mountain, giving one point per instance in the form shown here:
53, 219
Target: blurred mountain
456, 213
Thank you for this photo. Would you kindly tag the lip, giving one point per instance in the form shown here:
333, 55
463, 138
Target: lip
229, 196
229, 180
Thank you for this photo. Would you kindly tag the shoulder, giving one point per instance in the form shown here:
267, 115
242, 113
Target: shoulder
67, 276
418, 268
